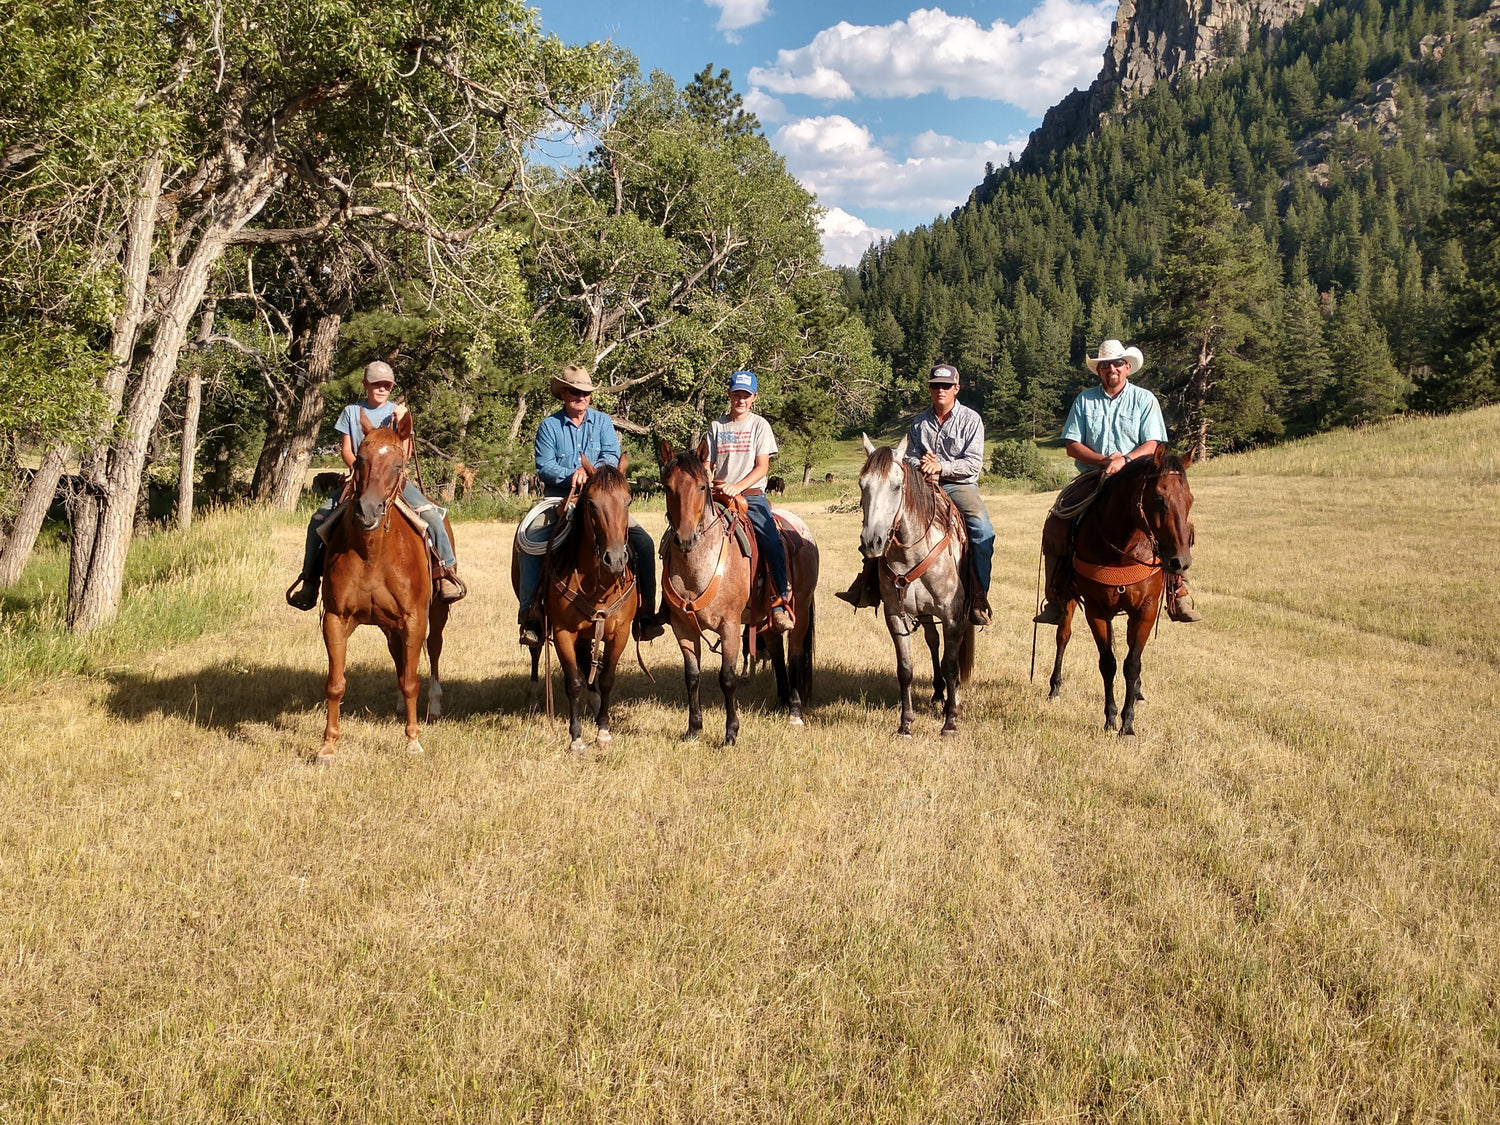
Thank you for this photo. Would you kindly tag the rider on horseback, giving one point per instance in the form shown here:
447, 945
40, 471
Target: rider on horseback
946, 444
380, 411
1108, 426
739, 448
564, 440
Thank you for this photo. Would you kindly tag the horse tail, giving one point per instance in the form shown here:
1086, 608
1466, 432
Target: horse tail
966, 653
805, 665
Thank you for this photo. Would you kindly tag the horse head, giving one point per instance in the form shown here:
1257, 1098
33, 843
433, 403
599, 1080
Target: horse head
379, 468
1166, 504
685, 480
605, 506
882, 484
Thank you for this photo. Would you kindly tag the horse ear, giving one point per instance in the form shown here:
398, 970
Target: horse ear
901, 447
869, 445
663, 450
587, 465
624, 461
1187, 458
403, 426
365, 424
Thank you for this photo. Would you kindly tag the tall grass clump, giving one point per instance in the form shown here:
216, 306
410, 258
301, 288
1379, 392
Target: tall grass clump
178, 585
1019, 460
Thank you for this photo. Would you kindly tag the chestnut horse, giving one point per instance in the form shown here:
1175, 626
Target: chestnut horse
377, 571
708, 587
590, 595
1137, 526
912, 527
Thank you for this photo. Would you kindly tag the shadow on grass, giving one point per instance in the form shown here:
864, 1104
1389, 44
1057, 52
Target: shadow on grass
228, 697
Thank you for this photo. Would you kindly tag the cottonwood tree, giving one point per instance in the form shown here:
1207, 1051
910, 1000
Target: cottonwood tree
414, 116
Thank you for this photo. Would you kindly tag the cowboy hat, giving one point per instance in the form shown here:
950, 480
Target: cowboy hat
573, 378
1113, 349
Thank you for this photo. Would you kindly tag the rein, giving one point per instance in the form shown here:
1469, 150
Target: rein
902, 580
1130, 573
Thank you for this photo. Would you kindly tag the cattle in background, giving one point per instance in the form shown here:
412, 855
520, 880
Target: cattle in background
776, 485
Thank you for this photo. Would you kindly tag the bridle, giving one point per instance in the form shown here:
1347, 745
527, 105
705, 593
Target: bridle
902, 580
703, 512
398, 483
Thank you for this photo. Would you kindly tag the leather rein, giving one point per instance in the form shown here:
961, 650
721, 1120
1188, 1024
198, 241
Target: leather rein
902, 580
1132, 573
692, 607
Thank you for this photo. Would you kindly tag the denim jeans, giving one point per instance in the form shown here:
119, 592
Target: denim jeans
312, 553
966, 499
769, 538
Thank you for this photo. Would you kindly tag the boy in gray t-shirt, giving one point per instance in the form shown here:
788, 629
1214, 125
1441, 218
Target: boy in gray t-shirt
740, 445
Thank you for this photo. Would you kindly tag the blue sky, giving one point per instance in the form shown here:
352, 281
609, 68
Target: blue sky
886, 111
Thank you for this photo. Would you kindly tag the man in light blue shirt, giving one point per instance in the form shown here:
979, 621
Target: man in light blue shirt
563, 441
1108, 426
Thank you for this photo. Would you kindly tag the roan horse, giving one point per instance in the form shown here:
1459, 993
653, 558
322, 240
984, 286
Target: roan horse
1137, 526
377, 572
918, 535
590, 595
708, 586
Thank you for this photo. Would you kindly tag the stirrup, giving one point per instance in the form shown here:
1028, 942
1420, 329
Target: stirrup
307, 590
448, 585
782, 606
531, 634
1051, 614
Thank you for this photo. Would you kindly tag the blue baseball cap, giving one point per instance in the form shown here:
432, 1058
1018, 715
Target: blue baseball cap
743, 381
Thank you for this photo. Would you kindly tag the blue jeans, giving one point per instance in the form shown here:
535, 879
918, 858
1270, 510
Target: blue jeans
769, 538
966, 499
312, 553
642, 562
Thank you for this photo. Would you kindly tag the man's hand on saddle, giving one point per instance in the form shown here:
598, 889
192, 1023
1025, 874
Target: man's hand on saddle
727, 489
931, 467
1114, 463
579, 478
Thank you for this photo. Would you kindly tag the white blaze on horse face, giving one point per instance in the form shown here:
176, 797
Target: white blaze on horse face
880, 497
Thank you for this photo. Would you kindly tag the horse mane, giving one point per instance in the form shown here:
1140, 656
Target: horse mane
687, 461
606, 478
918, 497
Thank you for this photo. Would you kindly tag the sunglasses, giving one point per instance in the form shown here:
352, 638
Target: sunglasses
942, 386
1106, 363
578, 394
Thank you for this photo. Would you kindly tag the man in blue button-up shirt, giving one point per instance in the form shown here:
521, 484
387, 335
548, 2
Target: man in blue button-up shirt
563, 441
1108, 426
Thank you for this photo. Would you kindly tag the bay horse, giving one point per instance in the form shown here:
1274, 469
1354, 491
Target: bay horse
918, 535
590, 595
377, 571
1137, 527
708, 585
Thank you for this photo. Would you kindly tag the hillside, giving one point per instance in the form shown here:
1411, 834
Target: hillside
1337, 143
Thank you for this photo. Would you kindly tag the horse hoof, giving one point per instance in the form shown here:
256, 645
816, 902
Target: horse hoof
950, 732
604, 738
324, 758
414, 747
690, 736
578, 746
795, 721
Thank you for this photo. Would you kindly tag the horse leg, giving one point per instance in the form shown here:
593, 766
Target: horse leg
1064, 634
692, 673
727, 680
438, 620
533, 694
953, 635
336, 639
934, 649
901, 637
776, 646
1103, 630
408, 674
614, 648
567, 656
1137, 633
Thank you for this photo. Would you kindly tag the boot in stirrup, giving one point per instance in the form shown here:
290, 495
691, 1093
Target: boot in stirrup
864, 591
1180, 602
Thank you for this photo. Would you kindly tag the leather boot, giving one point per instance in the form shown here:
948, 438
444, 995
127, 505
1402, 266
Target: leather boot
979, 612
864, 591
450, 587
1052, 611
1180, 601
303, 593
531, 633
781, 615
648, 625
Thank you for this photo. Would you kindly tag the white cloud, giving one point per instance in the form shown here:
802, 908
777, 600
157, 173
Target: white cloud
1032, 65
735, 14
770, 110
840, 162
846, 237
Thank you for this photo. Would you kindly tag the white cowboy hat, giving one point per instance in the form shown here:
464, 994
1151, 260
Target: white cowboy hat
1113, 349
572, 379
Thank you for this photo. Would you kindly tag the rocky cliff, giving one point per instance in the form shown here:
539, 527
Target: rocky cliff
1155, 41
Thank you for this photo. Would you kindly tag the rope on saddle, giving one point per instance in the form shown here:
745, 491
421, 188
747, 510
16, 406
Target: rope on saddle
1078, 494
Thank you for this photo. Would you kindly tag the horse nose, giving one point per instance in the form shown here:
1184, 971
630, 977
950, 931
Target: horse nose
1180, 562
370, 512
872, 545
617, 560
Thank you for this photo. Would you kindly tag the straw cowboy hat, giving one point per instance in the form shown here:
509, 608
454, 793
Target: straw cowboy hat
1113, 349
573, 378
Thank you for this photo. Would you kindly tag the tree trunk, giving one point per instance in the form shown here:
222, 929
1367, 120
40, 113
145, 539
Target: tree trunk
190, 411
806, 474
290, 472
97, 600
221, 476
22, 539
278, 430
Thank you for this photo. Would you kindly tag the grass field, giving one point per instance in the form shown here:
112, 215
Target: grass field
1279, 903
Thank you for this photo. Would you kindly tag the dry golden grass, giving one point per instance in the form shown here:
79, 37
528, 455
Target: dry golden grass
1279, 903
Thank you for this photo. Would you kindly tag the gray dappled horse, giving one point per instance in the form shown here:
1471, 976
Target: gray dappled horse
918, 536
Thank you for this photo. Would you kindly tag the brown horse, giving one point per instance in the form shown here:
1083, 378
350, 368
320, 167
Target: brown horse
591, 595
708, 586
377, 572
1136, 527
918, 535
